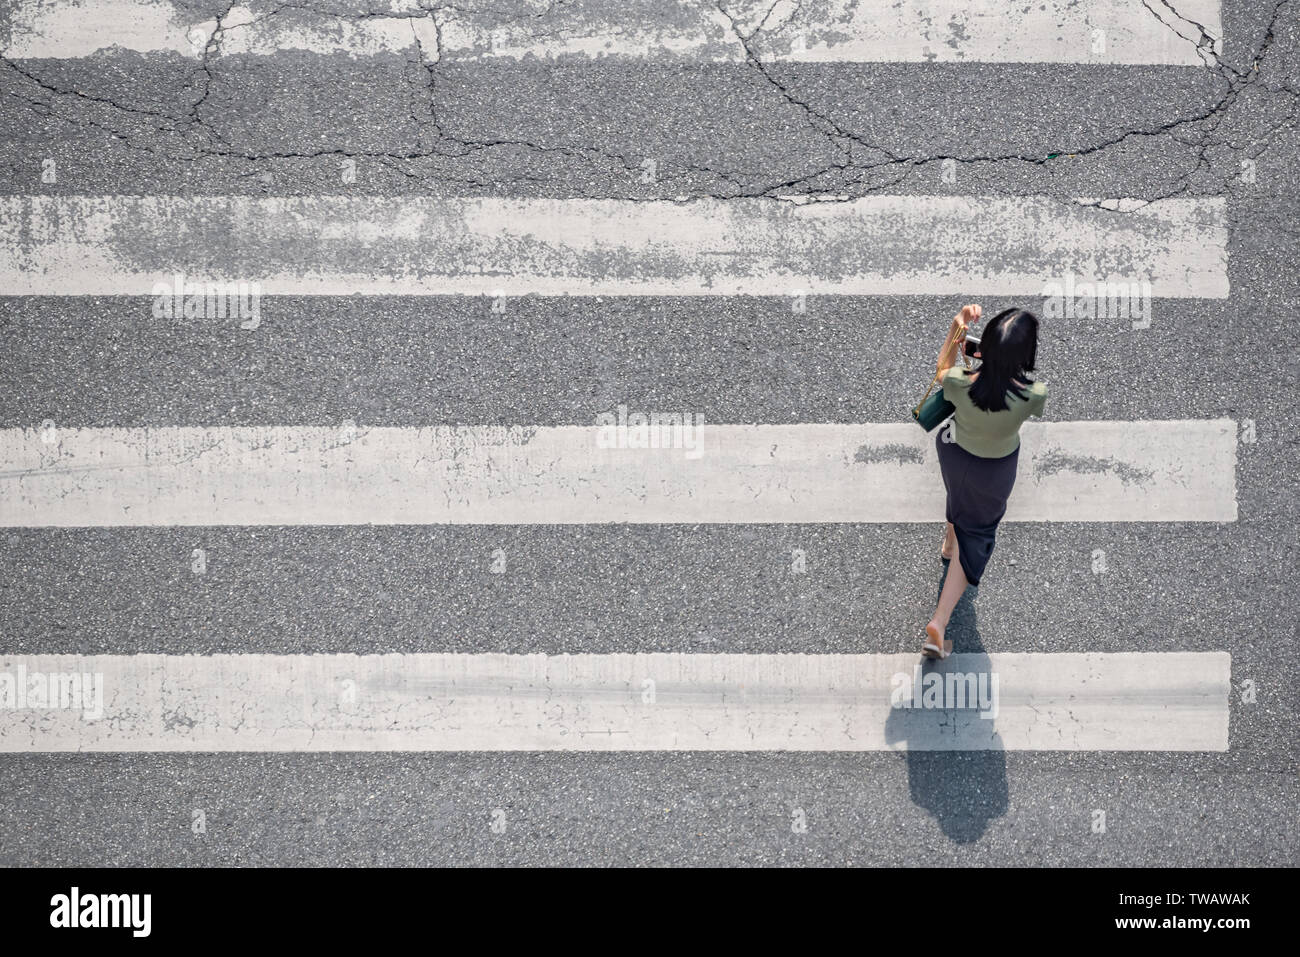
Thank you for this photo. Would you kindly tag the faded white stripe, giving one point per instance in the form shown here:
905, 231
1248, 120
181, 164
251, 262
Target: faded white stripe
876, 245
1046, 31
1169, 701
1168, 471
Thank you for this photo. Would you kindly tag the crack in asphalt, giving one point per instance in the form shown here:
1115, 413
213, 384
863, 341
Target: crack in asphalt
862, 166
1207, 39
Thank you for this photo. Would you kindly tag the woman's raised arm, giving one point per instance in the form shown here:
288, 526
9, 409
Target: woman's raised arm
968, 316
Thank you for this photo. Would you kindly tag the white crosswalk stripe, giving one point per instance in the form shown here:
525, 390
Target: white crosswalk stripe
624, 702
681, 471
820, 31
876, 245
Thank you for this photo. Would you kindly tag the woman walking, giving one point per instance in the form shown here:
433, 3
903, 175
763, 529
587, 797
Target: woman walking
979, 461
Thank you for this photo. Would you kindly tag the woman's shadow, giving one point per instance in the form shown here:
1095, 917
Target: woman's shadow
956, 764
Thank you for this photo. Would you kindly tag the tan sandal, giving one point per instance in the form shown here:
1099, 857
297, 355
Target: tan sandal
936, 646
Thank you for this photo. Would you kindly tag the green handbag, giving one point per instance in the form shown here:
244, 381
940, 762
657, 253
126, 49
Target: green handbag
932, 410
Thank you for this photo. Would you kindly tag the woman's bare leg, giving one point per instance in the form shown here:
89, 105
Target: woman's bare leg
953, 586
949, 540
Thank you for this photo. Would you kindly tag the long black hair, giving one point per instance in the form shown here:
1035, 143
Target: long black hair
1008, 349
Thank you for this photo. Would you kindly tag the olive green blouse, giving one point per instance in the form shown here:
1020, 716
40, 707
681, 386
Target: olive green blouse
989, 435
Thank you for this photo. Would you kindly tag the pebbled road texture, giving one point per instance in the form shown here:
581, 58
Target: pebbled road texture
134, 123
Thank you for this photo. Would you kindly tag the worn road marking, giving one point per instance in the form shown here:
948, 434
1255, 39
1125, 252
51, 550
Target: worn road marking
875, 245
1048, 31
1168, 471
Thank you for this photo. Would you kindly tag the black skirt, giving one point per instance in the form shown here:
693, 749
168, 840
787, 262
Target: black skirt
978, 489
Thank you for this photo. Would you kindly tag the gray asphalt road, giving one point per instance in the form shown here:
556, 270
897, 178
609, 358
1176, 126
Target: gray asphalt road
919, 809
144, 124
